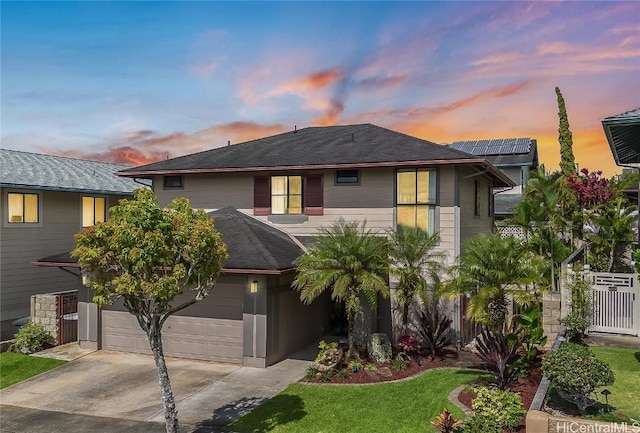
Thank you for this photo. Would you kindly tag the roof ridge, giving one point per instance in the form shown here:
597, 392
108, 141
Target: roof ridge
47, 155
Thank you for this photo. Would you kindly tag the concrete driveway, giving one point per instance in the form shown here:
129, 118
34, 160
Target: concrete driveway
124, 386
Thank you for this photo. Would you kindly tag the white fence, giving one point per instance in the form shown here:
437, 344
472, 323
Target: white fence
615, 301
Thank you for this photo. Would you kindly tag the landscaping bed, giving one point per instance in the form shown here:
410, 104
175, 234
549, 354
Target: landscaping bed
374, 372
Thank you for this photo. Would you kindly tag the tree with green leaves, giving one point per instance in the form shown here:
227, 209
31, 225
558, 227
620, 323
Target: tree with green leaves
158, 261
416, 262
610, 234
491, 268
567, 160
349, 260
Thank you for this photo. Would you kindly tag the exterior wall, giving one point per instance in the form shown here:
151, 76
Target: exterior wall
470, 224
60, 219
45, 310
292, 325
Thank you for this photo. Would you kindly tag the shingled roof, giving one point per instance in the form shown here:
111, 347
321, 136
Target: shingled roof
253, 246
345, 146
24, 170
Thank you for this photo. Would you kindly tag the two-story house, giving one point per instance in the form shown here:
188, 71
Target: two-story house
44, 201
286, 187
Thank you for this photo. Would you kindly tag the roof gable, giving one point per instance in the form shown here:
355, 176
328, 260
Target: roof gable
48, 172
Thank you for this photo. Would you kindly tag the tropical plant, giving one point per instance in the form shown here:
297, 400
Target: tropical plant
32, 337
578, 320
349, 260
435, 329
408, 344
415, 262
499, 351
491, 268
612, 233
323, 347
147, 256
530, 325
446, 423
576, 373
503, 408
567, 160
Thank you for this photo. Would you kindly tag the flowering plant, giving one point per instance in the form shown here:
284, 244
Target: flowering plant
408, 343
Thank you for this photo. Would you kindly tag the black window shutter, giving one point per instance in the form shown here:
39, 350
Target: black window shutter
261, 196
313, 200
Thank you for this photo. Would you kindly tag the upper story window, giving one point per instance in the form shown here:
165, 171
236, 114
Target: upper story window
286, 195
476, 200
347, 177
173, 182
94, 210
23, 208
294, 195
416, 198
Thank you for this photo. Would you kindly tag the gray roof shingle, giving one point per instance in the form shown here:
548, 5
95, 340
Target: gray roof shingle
313, 146
253, 244
47, 172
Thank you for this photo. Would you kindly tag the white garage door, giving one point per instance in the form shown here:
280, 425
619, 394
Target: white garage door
209, 330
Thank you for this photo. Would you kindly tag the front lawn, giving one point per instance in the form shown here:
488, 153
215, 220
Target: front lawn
406, 406
625, 392
16, 367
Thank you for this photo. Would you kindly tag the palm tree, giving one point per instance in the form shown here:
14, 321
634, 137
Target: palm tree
490, 269
351, 262
612, 226
415, 258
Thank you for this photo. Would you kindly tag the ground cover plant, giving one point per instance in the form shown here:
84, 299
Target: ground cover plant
16, 367
406, 406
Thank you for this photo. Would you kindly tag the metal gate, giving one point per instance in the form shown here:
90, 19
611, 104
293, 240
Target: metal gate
67, 317
616, 303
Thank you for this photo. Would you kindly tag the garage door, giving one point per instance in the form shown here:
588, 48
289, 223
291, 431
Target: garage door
209, 330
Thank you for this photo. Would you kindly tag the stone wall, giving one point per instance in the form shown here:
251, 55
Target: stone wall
551, 306
44, 310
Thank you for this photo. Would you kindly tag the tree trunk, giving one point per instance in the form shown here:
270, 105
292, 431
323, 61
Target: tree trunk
168, 401
405, 316
351, 318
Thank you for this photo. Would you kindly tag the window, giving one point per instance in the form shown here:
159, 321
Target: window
416, 198
23, 207
281, 195
347, 177
286, 195
476, 200
173, 182
490, 196
94, 210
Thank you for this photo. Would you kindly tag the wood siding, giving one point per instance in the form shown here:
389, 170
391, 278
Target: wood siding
23, 244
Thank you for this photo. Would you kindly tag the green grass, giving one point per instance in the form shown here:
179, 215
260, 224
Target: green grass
625, 392
406, 406
15, 367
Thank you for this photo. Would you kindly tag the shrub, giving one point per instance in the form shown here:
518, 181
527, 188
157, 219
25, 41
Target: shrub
500, 352
531, 331
311, 373
502, 408
575, 373
446, 423
579, 319
401, 361
434, 329
326, 375
343, 374
324, 347
32, 337
408, 344
480, 424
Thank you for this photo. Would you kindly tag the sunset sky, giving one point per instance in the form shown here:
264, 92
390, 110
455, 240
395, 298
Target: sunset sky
135, 82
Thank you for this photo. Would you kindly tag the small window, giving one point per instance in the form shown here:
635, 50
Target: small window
94, 211
490, 201
347, 177
23, 208
173, 182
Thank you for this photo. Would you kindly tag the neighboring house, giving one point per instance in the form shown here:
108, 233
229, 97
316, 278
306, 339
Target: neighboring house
45, 201
515, 157
270, 196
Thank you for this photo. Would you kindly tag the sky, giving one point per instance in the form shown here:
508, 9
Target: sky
137, 82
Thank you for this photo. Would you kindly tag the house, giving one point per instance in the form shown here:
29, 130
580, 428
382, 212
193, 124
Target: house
515, 157
45, 201
270, 196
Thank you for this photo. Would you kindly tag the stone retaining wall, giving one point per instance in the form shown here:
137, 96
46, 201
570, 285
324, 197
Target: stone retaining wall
44, 310
551, 306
